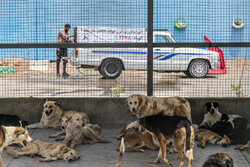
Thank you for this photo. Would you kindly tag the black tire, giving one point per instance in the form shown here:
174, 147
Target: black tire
111, 68
198, 68
187, 73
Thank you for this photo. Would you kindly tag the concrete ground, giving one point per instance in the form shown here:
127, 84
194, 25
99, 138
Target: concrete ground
105, 155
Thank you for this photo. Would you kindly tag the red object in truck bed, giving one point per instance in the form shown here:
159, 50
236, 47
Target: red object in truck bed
222, 69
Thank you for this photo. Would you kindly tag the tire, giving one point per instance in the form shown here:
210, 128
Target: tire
111, 68
187, 73
198, 68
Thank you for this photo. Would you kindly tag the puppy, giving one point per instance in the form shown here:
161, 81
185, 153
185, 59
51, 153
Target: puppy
142, 106
64, 124
11, 120
205, 136
76, 133
243, 147
48, 151
51, 115
12, 135
163, 127
219, 160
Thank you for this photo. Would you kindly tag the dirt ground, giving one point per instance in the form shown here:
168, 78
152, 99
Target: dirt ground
88, 82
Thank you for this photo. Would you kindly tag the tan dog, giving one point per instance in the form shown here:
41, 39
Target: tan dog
12, 135
48, 151
205, 136
130, 125
76, 133
219, 160
51, 115
243, 147
64, 124
142, 106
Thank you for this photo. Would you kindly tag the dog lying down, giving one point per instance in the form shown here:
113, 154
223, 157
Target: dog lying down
64, 124
205, 136
11, 120
243, 147
219, 160
77, 133
48, 151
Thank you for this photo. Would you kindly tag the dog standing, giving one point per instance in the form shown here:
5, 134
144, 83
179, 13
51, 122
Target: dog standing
163, 127
142, 106
12, 135
51, 115
48, 151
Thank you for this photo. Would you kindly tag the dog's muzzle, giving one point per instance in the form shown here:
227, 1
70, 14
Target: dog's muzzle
63, 127
212, 111
83, 124
69, 159
47, 112
224, 145
134, 110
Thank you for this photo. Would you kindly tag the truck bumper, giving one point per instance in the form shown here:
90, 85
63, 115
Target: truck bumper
215, 65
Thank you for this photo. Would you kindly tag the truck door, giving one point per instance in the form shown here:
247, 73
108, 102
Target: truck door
162, 56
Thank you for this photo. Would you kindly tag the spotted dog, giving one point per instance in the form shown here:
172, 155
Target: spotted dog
142, 106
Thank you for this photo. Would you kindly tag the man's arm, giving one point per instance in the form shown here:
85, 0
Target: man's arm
64, 35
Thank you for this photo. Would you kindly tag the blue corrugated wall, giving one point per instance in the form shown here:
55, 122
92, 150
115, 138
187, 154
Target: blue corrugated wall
38, 21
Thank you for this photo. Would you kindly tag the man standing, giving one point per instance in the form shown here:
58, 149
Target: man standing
63, 37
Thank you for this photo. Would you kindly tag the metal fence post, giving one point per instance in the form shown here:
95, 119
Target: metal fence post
150, 49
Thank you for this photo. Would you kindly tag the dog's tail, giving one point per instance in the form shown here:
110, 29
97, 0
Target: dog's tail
122, 150
98, 138
189, 132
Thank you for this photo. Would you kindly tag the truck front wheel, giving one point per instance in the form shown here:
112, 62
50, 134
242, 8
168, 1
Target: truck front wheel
198, 68
111, 68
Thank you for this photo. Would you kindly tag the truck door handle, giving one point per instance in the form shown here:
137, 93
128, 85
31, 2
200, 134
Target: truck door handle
157, 49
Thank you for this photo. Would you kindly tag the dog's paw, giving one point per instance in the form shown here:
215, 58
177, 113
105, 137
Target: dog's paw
141, 150
32, 155
200, 145
157, 161
51, 136
16, 156
42, 160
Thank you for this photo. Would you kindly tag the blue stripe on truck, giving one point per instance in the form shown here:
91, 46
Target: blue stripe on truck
164, 58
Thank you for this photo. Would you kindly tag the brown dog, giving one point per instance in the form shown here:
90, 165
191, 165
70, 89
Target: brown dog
142, 106
51, 116
205, 136
12, 135
76, 133
48, 151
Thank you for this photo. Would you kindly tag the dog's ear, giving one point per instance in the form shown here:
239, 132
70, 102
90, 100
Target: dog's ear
18, 131
140, 99
60, 119
216, 104
56, 104
69, 118
77, 156
127, 102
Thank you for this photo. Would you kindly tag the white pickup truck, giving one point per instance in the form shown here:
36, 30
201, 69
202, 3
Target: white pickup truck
112, 61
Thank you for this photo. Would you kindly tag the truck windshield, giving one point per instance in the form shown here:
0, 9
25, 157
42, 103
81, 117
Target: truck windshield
164, 39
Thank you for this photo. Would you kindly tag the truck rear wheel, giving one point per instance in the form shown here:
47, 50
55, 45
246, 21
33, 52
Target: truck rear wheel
198, 68
111, 68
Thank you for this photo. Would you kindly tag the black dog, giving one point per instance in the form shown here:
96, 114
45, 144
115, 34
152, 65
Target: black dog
219, 160
223, 124
11, 120
165, 126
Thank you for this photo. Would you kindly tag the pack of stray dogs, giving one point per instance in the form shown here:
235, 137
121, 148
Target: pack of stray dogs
163, 123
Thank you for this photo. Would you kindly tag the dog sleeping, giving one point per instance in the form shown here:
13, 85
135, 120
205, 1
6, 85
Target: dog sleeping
12, 120
142, 106
12, 135
51, 115
205, 136
48, 151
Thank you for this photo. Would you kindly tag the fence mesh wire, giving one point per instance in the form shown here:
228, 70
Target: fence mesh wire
94, 72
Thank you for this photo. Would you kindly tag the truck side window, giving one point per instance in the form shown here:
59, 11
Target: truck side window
160, 39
